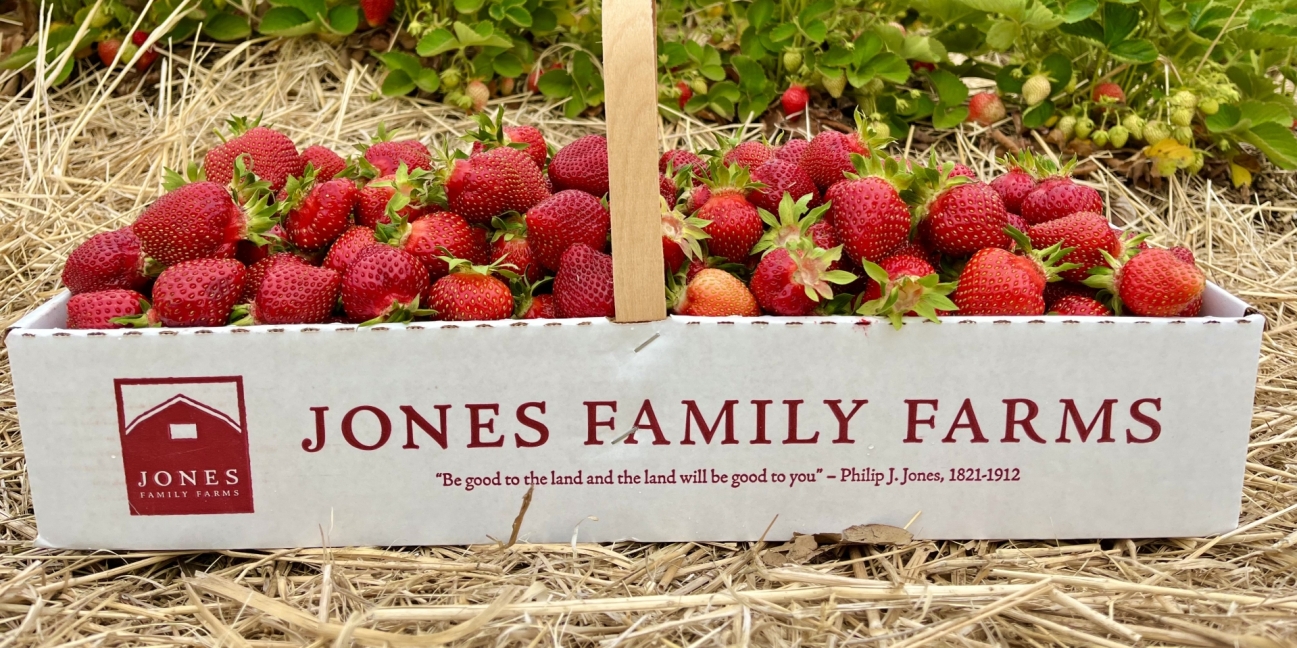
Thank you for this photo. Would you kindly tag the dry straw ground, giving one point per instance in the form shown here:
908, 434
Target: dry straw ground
82, 159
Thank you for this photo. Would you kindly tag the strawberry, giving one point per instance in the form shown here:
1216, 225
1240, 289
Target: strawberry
106, 261
541, 307
1089, 235
565, 219
430, 239
716, 293
966, 218
138, 39
267, 153
667, 189
98, 310
482, 246
295, 293
1153, 283
867, 210
794, 100
748, 155
345, 248
791, 224
1108, 93
534, 141
781, 177
387, 155
107, 50
693, 199
257, 273
905, 285
998, 282
510, 244
583, 286
922, 66
828, 156
679, 159
1079, 306
582, 165
406, 194
681, 237
470, 293
986, 108
1060, 289
793, 150
1013, 187
1057, 197
495, 181
1036, 89
316, 212
478, 94
792, 282
383, 284
734, 224
377, 11
201, 292
686, 93
202, 221
326, 163
492, 133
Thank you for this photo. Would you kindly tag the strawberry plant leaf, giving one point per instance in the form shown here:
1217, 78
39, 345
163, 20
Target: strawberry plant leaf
555, 84
866, 47
1276, 141
890, 68
837, 56
1134, 51
949, 88
427, 80
816, 11
313, 9
1002, 34
507, 64
1039, 17
518, 16
760, 13
226, 27
543, 20
816, 31
19, 59
1010, 79
437, 41
1037, 115
1079, 10
286, 22
1012, 8
397, 84
945, 116
1058, 68
468, 6
1226, 119
344, 19
1259, 112
672, 55
752, 77
400, 61
1089, 29
749, 44
783, 32
922, 48
1119, 21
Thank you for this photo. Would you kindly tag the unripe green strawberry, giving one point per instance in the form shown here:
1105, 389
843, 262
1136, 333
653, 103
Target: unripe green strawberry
792, 60
835, 84
1036, 89
1184, 99
1182, 116
1198, 160
881, 129
1071, 84
450, 78
1135, 124
699, 85
1155, 131
1118, 135
1084, 126
1100, 137
1224, 145
1209, 106
1182, 134
1067, 126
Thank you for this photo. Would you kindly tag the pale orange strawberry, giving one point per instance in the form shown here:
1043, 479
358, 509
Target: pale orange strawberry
716, 293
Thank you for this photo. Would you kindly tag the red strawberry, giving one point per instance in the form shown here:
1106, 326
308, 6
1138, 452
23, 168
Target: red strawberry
510, 244
1079, 306
583, 285
986, 108
405, 194
542, 307
106, 261
383, 284
295, 293
582, 165
966, 218
347, 246
482, 248
565, 219
693, 199
533, 138
922, 66
107, 49
897, 266
1059, 197
267, 153
781, 177
1108, 92
493, 182
317, 212
200, 221
681, 238
377, 11
793, 150
1060, 289
388, 155
257, 273
667, 189
828, 157
149, 56
1194, 309
794, 100
905, 286
1089, 235
97, 310
1153, 283
963, 171
1013, 187
679, 159
492, 133
716, 293
201, 292
998, 282
470, 293
868, 213
686, 93
327, 164
793, 282
748, 155
734, 224
431, 237
1184, 254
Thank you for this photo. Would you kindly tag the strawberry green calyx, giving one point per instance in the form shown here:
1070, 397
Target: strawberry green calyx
241, 315
731, 178
255, 197
882, 166
401, 314
922, 296
1027, 162
791, 226
146, 318
239, 125
1047, 260
873, 133
813, 272
510, 226
172, 179
246, 186
296, 189
411, 186
686, 230
500, 266
676, 284
524, 293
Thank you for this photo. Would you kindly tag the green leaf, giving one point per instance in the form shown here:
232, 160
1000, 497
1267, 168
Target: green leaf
1259, 112
1040, 18
672, 55
889, 67
543, 21
752, 77
949, 88
227, 27
555, 84
726, 90
1037, 115
1118, 22
1002, 34
575, 107
1134, 51
1011, 8
286, 22
837, 56
468, 6
1079, 10
436, 42
19, 59
866, 47
816, 30
783, 32
949, 116
1226, 119
1058, 68
428, 80
397, 84
400, 61
508, 64
760, 12
1276, 141
712, 72
922, 48
344, 19
750, 44
1008, 82
518, 16
1088, 29
816, 11
314, 9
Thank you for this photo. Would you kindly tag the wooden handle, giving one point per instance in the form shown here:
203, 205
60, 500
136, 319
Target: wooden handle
630, 102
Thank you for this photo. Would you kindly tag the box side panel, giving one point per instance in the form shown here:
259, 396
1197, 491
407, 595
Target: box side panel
822, 423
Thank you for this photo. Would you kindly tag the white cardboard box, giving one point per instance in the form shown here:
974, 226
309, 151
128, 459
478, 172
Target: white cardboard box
208, 438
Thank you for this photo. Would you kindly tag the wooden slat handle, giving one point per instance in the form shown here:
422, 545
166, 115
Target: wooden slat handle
630, 103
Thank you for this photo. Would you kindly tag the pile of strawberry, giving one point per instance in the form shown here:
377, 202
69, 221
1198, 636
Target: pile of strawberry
265, 234
834, 226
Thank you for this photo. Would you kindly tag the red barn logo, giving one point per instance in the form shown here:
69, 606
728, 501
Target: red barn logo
184, 445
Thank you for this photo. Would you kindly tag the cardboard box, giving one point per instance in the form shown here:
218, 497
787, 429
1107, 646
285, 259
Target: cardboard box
432, 433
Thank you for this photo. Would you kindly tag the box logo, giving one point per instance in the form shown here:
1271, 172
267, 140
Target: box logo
184, 445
